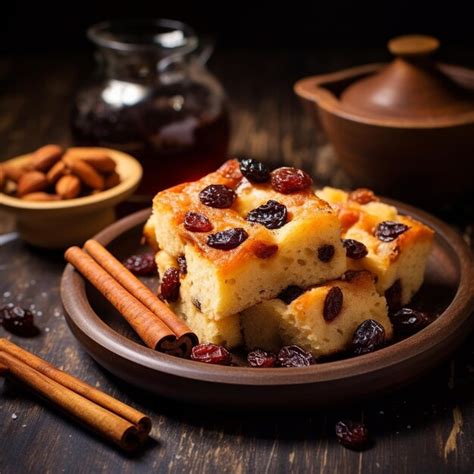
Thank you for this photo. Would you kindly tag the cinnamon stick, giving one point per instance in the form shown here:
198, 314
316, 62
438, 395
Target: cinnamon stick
153, 332
131, 283
108, 424
141, 421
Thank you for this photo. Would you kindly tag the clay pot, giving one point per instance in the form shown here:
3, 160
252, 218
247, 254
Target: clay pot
405, 129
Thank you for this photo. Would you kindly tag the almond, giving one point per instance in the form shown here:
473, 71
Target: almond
58, 170
112, 180
13, 172
99, 160
88, 175
45, 157
68, 187
41, 197
31, 182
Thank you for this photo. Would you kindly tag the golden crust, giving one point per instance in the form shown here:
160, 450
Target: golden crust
180, 199
404, 258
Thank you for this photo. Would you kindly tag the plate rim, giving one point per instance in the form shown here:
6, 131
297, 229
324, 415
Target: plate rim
457, 313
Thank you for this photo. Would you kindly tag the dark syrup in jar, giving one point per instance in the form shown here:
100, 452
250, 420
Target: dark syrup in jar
177, 135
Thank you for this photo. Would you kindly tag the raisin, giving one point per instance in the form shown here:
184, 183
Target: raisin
262, 359
362, 196
350, 275
408, 321
290, 293
218, 196
195, 222
326, 252
255, 171
272, 215
143, 265
170, 285
393, 295
354, 249
18, 321
294, 356
196, 303
263, 250
387, 231
227, 239
368, 337
333, 303
182, 265
290, 180
352, 434
211, 354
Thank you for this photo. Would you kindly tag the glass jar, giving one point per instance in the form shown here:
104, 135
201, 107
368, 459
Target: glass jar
154, 98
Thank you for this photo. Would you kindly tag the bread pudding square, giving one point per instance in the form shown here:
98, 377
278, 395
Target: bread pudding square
306, 321
225, 332
398, 261
303, 249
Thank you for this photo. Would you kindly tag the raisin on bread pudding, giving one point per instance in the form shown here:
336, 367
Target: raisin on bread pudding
224, 332
322, 319
396, 246
245, 241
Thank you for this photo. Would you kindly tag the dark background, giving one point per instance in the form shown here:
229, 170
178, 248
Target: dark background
41, 26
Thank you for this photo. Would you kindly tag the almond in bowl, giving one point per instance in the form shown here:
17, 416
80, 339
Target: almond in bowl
61, 197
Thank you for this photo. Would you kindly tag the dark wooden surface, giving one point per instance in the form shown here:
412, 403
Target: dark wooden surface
427, 427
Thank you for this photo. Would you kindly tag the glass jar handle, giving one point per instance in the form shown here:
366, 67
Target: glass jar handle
204, 50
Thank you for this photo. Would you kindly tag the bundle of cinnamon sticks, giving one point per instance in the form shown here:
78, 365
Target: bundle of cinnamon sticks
155, 323
111, 418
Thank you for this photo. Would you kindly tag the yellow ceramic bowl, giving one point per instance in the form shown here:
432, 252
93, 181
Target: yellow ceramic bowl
58, 224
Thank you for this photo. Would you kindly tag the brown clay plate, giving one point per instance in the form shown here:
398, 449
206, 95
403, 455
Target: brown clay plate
447, 291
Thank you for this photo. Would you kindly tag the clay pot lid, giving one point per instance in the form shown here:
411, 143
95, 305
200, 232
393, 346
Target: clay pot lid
410, 87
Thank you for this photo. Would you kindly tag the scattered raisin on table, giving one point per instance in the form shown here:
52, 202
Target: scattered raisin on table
387, 231
326, 252
263, 250
227, 239
354, 249
262, 359
290, 180
294, 356
290, 293
393, 295
407, 321
218, 196
255, 171
368, 337
333, 303
170, 284
182, 264
18, 320
142, 265
351, 434
362, 196
196, 222
211, 354
272, 215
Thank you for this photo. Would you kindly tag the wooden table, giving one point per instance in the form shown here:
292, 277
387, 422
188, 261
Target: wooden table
427, 427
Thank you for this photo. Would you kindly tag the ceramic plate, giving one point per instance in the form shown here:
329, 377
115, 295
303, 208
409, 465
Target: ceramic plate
447, 292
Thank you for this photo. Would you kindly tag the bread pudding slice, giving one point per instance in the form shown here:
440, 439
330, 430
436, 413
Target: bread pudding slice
225, 332
397, 246
322, 320
303, 249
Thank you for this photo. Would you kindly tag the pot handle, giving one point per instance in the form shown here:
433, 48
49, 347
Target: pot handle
411, 46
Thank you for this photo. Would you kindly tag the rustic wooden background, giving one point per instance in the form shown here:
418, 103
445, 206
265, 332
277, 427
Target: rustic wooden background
427, 427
